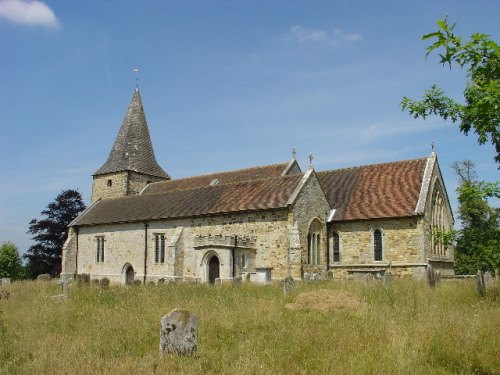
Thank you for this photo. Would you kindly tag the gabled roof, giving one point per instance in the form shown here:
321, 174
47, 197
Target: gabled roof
132, 150
247, 174
374, 191
267, 193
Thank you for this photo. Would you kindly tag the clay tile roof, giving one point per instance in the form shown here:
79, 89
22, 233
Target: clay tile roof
374, 191
270, 193
132, 150
247, 174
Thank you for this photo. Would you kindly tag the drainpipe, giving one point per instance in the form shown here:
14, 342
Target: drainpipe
76, 255
145, 250
234, 255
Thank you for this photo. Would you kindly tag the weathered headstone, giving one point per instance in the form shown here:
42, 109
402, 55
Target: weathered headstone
179, 333
136, 282
82, 279
488, 279
307, 276
43, 277
288, 284
161, 281
104, 282
369, 279
387, 278
480, 287
431, 277
5, 280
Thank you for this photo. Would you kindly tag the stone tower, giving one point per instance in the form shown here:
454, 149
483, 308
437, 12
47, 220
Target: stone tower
131, 164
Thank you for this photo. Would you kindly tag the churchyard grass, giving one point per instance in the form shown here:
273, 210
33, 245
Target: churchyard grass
403, 327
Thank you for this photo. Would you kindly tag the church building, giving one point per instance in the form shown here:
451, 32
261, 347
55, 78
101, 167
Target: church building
256, 224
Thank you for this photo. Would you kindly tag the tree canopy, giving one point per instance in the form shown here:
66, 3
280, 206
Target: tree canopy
10, 261
480, 57
50, 233
478, 242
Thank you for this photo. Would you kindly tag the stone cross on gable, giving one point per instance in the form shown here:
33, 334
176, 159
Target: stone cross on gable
311, 157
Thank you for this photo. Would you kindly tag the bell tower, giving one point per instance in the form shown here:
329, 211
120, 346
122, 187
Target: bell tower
131, 164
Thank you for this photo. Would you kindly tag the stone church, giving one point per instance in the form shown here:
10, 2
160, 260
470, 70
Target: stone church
255, 224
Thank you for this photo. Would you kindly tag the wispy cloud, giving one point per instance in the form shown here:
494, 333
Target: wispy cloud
28, 12
304, 35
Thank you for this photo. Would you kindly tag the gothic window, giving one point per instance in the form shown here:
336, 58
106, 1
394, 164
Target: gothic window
99, 254
314, 243
159, 248
243, 261
377, 244
439, 223
336, 247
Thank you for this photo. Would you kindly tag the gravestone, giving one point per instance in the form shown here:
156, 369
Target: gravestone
431, 276
307, 276
387, 278
179, 333
43, 277
288, 285
82, 279
104, 282
480, 287
488, 279
5, 280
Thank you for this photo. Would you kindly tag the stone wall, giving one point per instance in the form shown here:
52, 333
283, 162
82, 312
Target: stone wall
402, 240
120, 184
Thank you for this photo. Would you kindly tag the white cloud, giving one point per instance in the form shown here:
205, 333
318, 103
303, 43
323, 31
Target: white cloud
28, 12
303, 34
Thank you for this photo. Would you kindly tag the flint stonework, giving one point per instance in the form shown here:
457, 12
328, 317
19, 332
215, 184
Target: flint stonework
179, 333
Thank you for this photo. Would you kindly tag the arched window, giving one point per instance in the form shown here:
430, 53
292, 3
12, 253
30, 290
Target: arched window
314, 242
438, 219
377, 244
336, 247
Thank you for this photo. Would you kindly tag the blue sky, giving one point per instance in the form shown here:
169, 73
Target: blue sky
225, 85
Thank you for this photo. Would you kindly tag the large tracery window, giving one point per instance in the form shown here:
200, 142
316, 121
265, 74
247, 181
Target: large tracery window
314, 243
439, 222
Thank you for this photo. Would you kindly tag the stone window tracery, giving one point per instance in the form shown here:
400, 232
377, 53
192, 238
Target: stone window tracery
159, 248
336, 246
314, 243
439, 221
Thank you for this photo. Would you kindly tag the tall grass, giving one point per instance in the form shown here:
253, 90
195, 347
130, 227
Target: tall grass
403, 328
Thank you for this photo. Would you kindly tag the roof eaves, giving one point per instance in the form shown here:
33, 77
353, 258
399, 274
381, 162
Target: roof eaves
83, 213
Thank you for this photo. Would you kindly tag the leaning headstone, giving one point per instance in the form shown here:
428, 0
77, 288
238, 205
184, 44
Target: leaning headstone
179, 333
488, 279
431, 277
480, 287
5, 280
288, 285
43, 277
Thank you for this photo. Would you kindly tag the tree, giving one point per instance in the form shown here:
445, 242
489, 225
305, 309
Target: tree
480, 56
10, 261
50, 233
478, 242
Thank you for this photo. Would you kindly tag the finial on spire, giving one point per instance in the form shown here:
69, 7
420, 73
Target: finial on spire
136, 71
294, 153
432, 146
311, 157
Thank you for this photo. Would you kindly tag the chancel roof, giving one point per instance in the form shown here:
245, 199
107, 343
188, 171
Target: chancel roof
132, 150
374, 191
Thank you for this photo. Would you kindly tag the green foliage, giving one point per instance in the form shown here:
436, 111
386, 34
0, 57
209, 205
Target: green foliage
478, 242
50, 233
10, 262
480, 56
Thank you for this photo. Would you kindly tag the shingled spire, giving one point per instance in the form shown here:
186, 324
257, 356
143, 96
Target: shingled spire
133, 150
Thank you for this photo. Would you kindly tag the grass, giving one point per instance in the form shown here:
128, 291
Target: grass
401, 328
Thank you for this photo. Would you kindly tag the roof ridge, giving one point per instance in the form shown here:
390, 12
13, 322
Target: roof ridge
231, 171
372, 165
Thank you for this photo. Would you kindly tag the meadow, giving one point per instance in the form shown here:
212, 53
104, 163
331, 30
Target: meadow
324, 327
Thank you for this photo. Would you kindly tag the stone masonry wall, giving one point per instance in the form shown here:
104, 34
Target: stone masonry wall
311, 203
403, 243
124, 244
118, 188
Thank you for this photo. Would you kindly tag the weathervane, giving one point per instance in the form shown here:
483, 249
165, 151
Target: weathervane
136, 71
294, 153
432, 146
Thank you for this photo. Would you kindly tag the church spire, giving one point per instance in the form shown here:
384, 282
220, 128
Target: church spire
133, 150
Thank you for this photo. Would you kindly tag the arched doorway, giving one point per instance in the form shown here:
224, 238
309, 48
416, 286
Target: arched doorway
129, 275
213, 269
